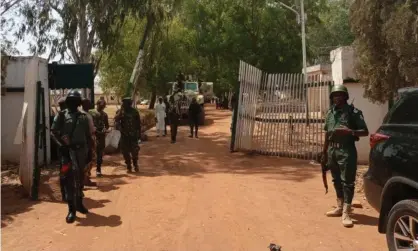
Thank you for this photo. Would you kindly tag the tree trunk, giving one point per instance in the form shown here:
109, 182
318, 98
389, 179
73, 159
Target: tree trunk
83, 42
140, 58
153, 98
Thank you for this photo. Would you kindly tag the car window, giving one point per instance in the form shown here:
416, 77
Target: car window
405, 111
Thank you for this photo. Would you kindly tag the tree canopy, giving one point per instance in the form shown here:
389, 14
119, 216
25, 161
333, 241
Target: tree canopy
207, 39
386, 45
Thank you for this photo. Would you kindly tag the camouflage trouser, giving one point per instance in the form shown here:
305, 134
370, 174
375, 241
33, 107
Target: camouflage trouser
130, 149
100, 146
343, 164
68, 176
91, 159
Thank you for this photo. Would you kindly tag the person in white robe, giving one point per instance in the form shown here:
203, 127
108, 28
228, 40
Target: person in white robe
160, 116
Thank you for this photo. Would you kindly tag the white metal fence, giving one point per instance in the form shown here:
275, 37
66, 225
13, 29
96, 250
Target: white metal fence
279, 114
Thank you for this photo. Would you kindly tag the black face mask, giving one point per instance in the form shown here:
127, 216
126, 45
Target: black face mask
72, 105
126, 105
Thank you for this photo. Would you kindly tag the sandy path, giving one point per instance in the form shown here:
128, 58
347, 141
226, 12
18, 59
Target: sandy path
194, 195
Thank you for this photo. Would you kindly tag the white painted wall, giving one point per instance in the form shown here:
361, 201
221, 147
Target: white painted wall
343, 60
373, 115
11, 106
19, 74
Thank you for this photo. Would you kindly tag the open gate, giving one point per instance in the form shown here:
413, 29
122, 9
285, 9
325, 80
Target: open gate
279, 114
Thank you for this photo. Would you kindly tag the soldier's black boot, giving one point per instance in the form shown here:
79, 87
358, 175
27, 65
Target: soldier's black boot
81, 208
71, 213
129, 167
136, 166
191, 132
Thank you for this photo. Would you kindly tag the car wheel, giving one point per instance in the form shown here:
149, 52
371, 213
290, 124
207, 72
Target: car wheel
402, 226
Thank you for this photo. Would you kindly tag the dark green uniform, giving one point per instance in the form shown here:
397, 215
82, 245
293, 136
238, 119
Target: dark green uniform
174, 116
101, 123
129, 123
76, 152
342, 153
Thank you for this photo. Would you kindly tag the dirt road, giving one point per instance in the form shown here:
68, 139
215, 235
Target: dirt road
194, 195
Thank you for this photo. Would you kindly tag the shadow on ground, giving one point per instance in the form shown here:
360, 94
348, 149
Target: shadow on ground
362, 219
14, 201
188, 157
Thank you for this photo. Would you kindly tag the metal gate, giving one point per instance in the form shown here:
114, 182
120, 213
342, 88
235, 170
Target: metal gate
279, 114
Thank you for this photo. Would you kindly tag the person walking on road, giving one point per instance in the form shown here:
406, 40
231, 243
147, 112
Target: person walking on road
101, 123
63, 106
194, 112
160, 116
91, 155
174, 116
344, 125
166, 120
71, 131
130, 128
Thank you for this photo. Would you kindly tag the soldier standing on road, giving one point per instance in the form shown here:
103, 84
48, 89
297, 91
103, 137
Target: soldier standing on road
174, 116
194, 112
130, 127
101, 123
71, 131
91, 155
344, 125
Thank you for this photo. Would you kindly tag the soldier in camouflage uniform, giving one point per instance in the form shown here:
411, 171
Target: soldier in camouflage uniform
129, 122
62, 106
344, 125
71, 131
91, 155
174, 117
101, 123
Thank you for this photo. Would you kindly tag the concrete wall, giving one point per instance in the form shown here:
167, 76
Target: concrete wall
373, 115
12, 103
11, 107
343, 60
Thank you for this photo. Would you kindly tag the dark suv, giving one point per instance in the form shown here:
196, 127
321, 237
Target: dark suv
391, 182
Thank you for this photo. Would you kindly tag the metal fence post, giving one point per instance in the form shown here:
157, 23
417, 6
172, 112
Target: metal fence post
234, 118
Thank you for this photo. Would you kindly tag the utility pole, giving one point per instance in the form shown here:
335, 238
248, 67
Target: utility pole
302, 13
301, 20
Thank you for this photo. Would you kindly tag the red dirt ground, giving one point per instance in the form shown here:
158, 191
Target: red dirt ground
193, 195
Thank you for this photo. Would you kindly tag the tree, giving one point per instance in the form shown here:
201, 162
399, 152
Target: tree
73, 28
156, 12
332, 31
7, 7
165, 51
386, 45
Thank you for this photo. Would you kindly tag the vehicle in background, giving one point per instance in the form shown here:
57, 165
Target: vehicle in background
206, 89
144, 102
391, 182
191, 90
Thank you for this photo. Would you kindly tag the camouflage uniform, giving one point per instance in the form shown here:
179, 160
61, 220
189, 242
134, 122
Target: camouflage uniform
73, 126
342, 153
174, 116
129, 122
101, 123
